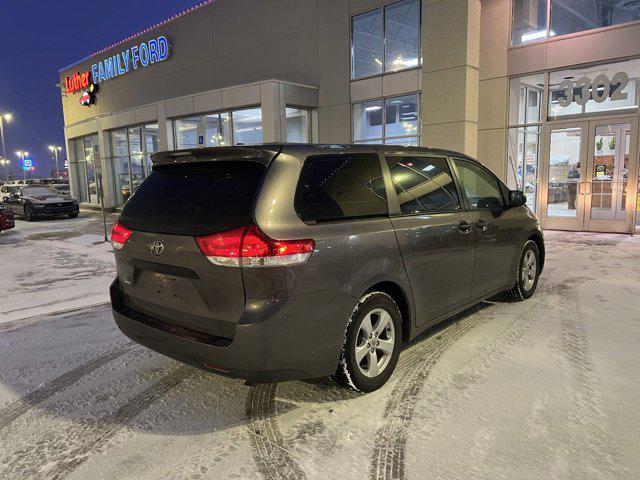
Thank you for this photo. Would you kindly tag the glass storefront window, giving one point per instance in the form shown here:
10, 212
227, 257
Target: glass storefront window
152, 143
367, 44
367, 120
529, 21
393, 121
571, 16
401, 116
219, 129
85, 169
594, 89
81, 179
525, 99
135, 141
247, 126
523, 152
186, 132
131, 150
523, 141
216, 130
119, 143
298, 124
121, 176
386, 39
402, 35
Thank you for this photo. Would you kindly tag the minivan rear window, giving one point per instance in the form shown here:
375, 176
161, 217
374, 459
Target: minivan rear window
336, 187
195, 198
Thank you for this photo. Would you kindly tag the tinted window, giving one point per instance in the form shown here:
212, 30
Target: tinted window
480, 187
423, 184
194, 199
333, 187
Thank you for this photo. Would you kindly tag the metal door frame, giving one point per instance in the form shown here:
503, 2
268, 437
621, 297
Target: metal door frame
625, 225
583, 221
558, 223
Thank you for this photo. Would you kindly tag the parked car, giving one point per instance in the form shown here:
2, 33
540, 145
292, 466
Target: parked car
6, 218
32, 201
270, 263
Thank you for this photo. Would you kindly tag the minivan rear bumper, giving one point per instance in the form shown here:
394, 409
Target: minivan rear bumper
275, 339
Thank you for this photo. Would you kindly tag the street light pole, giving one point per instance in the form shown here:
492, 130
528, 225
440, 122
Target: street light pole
55, 151
5, 162
3, 117
22, 154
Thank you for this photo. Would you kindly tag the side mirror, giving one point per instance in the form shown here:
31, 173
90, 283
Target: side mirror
517, 198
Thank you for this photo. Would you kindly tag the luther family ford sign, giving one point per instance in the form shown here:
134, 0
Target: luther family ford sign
138, 56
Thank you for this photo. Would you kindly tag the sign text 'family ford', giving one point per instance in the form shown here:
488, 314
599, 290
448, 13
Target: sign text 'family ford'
142, 55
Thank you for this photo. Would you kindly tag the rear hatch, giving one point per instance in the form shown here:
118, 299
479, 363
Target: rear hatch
162, 271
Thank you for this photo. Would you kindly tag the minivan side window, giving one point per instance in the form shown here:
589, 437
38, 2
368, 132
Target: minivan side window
423, 184
336, 187
480, 187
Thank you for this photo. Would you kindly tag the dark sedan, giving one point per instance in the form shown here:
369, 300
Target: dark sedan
32, 201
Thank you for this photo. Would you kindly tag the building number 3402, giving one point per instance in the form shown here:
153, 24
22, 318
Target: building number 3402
601, 88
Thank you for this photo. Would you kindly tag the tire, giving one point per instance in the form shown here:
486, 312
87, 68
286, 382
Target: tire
364, 375
28, 214
73, 215
527, 273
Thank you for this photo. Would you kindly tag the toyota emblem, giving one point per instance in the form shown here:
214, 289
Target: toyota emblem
157, 247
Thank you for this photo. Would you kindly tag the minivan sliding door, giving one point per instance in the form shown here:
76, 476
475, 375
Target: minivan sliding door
435, 235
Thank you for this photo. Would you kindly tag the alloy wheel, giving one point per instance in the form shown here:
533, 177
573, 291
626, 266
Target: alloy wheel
375, 342
528, 270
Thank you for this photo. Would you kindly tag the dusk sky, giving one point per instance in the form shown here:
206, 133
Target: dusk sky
38, 38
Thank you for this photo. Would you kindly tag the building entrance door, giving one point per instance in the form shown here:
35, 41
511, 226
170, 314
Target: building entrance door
588, 176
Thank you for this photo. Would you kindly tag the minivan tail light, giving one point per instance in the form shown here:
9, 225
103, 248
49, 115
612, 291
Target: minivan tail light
250, 247
119, 235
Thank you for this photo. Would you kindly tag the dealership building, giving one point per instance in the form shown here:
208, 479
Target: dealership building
543, 92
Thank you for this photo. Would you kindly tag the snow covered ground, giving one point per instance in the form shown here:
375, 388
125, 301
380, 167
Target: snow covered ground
546, 388
54, 265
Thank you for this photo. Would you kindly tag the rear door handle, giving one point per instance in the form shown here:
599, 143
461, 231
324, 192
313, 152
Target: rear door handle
481, 224
464, 226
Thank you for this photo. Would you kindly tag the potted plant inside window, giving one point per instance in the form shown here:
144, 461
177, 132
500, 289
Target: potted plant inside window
599, 146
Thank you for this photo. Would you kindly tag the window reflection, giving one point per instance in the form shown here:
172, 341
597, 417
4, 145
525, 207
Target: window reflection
393, 121
247, 126
367, 56
402, 34
131, 150
386, 39
423, 184
298, 124
529, 21
571, 16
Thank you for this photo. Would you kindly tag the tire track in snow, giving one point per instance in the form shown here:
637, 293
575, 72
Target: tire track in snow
388, 461
592, 443
268, 448
88, 437
22, 405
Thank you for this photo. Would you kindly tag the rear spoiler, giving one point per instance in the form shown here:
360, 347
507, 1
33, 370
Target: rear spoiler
260, 154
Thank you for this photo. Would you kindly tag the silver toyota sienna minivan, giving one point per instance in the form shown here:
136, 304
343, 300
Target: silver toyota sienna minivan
279, 262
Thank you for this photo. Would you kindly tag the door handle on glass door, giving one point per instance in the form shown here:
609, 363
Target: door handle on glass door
481, 224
